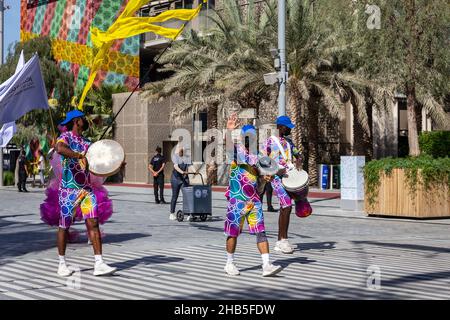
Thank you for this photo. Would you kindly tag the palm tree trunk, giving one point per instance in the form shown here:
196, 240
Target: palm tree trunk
211, 168
413, 138
362, 141
313, 136
296, 113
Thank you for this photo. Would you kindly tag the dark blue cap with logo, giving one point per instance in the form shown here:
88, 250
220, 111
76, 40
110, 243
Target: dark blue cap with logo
285, 121
72, 115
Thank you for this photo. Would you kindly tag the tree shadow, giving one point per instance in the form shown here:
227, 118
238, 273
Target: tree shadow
6, 223
315, 246
284, 263
418, 277
293, 293
149, 260
23, 242
405, 246
16, 244
122, 237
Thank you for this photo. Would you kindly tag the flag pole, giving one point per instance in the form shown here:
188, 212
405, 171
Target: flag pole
51, 122
152, 66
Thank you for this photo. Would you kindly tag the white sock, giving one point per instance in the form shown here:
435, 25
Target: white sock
62, 259
98, 258
265, 259
230, 257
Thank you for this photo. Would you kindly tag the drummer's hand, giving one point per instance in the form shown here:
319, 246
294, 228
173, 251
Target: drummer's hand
83, 163
232, 122
281, 172
268, 178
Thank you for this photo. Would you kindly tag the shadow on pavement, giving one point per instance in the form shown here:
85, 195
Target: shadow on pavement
19, 243
418, 277
315, 246
14, 244
122, 237
283, 262
405, 246
150, 260
290, 293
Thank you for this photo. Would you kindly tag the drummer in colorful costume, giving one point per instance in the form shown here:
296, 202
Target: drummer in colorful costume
244, 202
76, 191
282, 150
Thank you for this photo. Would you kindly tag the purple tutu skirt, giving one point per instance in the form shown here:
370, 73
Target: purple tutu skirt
50, 209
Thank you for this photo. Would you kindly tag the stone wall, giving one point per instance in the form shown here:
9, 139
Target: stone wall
140, 128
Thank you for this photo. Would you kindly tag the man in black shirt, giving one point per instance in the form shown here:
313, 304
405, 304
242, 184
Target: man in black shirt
23, 172
156, 167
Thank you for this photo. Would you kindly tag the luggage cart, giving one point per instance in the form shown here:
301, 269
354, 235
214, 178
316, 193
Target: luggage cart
197, 201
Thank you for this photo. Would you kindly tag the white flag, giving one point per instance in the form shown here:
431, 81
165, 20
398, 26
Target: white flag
21, 63
23, 92
9, 129
6, 133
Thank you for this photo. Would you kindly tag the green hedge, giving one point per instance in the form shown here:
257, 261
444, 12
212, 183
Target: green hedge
8, 178
435, 143
433, 173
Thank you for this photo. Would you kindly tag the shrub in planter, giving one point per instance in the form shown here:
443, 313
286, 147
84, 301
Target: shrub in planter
425, 170
8, 178
435, 143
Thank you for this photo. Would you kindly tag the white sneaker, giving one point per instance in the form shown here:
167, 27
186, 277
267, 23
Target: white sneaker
270, 270
283, 246
64, 271
190, 218
172, 217
102, 269
231, 269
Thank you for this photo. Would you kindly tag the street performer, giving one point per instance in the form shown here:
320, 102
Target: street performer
244, 201
281, 149
76, 192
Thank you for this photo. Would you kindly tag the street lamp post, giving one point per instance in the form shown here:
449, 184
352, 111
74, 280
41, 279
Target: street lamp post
282, 55
280, 77
2, 10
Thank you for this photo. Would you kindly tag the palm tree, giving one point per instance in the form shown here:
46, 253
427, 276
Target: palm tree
211, 70
326, 75
319, 85
99, 107
409, 55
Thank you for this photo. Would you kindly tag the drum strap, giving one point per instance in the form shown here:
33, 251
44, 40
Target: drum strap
287, 157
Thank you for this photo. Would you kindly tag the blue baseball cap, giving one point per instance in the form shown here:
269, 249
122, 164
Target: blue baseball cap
72, 115
285, 121
248, 129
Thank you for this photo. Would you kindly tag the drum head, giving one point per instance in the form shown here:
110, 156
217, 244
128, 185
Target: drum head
267, 166
295, 180
105, 158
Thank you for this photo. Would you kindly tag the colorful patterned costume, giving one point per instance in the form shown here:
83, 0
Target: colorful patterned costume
284, 156
73, 193
272, 149
244, 202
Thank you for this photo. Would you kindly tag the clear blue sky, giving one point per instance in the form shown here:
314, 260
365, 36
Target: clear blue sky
12, 24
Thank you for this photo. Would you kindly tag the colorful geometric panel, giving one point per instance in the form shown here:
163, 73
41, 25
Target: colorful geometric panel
67, 23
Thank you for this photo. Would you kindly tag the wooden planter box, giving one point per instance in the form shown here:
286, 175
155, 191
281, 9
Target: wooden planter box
395, 199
